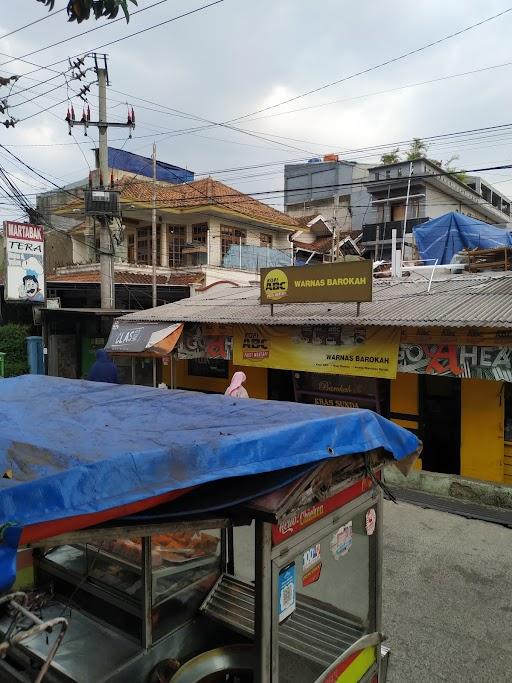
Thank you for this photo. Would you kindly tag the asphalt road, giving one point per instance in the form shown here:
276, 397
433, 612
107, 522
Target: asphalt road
447, 598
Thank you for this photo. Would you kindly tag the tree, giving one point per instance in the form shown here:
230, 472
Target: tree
13, 342
457, 172
392, 157
80, 10
417, 150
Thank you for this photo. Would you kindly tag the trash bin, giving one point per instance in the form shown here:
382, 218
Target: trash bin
2, 363
35, 355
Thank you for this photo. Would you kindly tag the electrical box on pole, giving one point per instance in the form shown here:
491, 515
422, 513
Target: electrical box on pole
102, 203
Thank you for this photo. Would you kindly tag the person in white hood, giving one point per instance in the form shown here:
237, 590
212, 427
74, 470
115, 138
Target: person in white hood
236, 388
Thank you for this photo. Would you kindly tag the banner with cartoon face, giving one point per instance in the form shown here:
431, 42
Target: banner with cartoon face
24, 245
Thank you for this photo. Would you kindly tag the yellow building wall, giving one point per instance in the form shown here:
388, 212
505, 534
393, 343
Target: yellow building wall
508, 463
482, 415
256, 384
404, 403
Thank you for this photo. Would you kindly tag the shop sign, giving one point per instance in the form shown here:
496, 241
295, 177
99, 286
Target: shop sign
469, 336
299, 520
363, 351
286, 591
24, 261
341, 281
204, 341
128, 336
339, 391
450, 360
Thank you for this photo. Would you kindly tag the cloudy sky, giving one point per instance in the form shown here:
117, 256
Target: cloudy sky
242, 56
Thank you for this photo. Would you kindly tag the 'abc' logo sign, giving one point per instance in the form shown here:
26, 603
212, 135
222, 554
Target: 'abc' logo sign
275, 284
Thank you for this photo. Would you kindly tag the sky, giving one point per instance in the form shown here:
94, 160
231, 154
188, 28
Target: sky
241, 56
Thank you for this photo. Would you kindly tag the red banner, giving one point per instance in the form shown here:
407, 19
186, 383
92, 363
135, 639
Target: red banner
292, 524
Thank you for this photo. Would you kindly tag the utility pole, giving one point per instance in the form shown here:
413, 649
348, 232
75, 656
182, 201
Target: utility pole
106, 245
153, 251
100, 203
153, 229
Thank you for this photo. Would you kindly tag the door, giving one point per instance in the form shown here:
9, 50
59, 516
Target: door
440, 423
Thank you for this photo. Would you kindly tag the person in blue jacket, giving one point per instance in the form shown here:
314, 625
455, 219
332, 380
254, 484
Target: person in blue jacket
103, 369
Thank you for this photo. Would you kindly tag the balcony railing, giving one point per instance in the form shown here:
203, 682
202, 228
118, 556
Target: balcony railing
385, 229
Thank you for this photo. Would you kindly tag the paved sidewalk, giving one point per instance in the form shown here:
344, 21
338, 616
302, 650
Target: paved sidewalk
447, 597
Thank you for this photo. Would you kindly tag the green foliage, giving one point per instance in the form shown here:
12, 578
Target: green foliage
80, 10
417, 150
13, 342
457, 173
392, 157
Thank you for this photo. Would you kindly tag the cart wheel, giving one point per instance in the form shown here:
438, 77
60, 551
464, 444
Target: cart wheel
164, 671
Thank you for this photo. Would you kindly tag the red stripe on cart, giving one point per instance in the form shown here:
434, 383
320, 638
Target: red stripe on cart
38, 532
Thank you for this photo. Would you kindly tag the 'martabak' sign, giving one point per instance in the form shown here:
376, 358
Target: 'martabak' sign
24, 259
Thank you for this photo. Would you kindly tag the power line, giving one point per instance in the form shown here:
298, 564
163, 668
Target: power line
374, 67
118, 40
384, 92
32, 23
80, 35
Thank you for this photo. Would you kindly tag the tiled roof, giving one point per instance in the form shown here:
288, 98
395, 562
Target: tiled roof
204, 192
127, 278
322, 245
461, 301
304, 220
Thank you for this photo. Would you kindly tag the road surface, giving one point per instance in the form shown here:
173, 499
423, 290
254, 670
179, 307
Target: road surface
447, 605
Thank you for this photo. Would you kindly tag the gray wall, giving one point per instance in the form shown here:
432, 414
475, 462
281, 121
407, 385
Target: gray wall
304, 184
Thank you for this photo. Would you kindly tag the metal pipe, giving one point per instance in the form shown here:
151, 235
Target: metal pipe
404, 230
263, 603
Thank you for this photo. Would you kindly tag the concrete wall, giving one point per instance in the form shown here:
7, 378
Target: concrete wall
437, 203
310, 188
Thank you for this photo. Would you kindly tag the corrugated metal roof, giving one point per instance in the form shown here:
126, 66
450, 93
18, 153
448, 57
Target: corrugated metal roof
460, 301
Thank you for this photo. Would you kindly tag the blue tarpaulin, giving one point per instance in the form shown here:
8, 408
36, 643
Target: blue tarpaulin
143, 166
441, 238
75, 447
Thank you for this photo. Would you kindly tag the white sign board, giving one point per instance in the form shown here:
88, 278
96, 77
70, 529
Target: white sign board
24, 245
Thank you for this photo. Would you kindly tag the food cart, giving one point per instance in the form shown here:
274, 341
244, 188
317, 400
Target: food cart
265, 566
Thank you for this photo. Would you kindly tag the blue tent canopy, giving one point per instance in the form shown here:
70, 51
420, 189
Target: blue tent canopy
75, 447
441, 238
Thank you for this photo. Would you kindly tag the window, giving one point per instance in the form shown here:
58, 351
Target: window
208, 367
131, 248
177, 239
230, 236
376, 175
144, 247
265, 240
199, 233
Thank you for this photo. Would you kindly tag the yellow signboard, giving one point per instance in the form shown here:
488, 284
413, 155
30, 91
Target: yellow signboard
335, 349
340, 281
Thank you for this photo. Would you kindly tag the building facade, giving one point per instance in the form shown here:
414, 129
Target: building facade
330, 187
428, 192
452, 379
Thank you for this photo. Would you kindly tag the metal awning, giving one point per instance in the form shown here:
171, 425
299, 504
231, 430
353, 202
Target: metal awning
143, 339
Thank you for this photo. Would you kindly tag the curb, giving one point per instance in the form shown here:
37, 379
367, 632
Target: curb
452, 486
